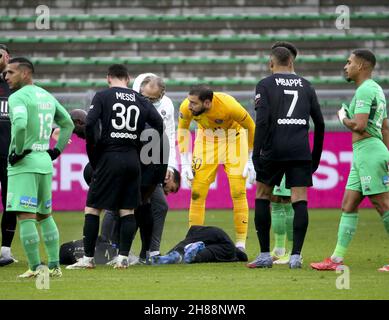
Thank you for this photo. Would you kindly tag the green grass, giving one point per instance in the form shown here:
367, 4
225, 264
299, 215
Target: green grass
368, 251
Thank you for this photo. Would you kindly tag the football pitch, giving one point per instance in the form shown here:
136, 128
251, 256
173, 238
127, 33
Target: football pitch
368, 251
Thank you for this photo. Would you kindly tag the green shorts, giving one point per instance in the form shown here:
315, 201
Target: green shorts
369, 171
281, 190
29, 192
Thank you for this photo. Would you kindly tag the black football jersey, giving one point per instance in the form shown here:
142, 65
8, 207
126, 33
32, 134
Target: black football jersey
284, 103
121, 114
5, 123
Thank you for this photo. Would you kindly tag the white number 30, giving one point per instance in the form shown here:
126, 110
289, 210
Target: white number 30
124, 115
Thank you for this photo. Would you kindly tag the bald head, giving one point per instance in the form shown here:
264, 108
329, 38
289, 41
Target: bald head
153, 88
78, 117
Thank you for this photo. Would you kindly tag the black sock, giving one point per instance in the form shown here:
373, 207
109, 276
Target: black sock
8, 226
145, 222
262, 223
300, 225
91, 231
127, 231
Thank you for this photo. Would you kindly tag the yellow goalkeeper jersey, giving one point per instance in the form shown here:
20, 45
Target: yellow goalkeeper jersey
225, 113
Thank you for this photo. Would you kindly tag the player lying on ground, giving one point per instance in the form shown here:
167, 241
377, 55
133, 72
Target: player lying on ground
203, 244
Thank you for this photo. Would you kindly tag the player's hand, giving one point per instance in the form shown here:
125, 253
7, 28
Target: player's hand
249, 171
13, 157
342, 113
53, 153
186, 168
55, 135
169, 174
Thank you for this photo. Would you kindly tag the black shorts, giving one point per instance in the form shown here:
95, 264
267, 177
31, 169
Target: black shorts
298, 173
153, 174
116, 182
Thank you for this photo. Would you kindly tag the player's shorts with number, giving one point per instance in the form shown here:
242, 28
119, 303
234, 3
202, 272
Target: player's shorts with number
232, 152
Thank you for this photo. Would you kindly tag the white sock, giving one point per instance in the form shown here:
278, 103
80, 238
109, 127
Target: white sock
154, 253
89, 259
6, 252
121, 257
336, 259
240, 244
279, 251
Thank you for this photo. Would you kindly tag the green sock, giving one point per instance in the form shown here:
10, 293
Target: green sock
278, 224
385, 219
29, 237
347, 227
289, 223
51, 238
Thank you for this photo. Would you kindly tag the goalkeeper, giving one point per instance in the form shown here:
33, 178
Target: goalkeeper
221, 138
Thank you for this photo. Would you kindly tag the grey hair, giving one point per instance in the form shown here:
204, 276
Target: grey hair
155, 80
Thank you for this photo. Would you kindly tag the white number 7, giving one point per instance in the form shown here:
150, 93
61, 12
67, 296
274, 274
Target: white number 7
294, 101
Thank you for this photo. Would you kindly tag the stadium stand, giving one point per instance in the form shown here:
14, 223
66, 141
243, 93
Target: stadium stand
224, 43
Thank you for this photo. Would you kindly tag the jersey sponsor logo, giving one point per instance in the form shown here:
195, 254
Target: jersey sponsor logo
45, 106
28, 202
292, 121
288, 82
40, 147
122, 135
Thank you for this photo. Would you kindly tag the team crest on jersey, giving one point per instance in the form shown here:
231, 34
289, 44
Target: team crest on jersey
163, 112
219, 121
181, 115
91, 107
257, 97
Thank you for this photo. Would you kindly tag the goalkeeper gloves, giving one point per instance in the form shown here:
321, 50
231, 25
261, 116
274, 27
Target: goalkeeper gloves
13, 157
53, 153
342, 113
249, 170
186, 168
